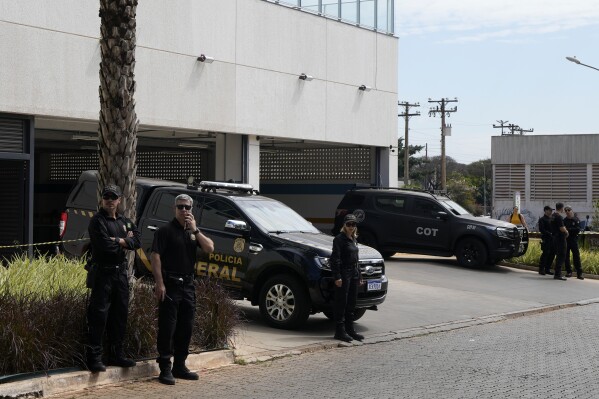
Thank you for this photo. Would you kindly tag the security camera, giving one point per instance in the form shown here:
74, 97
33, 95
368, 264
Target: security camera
206, 59
365, 88
303, 76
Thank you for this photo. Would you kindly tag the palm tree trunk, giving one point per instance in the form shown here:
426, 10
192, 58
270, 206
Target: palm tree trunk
118, 121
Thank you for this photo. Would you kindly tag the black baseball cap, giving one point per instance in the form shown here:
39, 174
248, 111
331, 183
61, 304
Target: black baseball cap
112, 189
350, 218
547, 208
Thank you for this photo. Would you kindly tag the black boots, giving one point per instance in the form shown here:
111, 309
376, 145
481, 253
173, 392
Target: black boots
340, 333
349, 328
95, 366
166, 375
180, 371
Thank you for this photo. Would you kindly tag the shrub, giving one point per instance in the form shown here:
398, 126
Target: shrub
43, 323
588, 258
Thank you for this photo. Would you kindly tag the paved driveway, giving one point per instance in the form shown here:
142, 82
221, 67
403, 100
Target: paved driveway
424, 291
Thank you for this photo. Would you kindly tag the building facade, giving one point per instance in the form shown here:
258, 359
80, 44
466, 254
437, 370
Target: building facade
541, 170
219, 96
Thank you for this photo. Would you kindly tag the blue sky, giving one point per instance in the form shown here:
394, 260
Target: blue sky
503, 60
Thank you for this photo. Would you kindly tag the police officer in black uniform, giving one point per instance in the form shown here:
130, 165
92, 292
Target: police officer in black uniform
111, 235
173, 265
572, 224
547, 254
346, 272
559, 234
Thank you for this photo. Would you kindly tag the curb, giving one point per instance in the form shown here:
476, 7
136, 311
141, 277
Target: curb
79, 380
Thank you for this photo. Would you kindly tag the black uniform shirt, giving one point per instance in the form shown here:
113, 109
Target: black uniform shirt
102, 227
573, 226
344, 259
176, 247
557, 221
545, 227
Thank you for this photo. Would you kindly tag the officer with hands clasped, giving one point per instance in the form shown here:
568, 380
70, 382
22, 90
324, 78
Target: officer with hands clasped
572, 224
173, 265
547, 254
560, 233
111, 235
346, 272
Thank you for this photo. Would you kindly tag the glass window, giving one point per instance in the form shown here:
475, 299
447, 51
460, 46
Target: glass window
349, 10
391, 203
86, 195
274, 216
215, 214
330, 8
367, 13
425, 208
165, 209
383, 14
311, 5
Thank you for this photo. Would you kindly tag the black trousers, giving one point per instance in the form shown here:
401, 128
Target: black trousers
559, 246
107, 310
175, 322
572, 246
345, 299
547, 255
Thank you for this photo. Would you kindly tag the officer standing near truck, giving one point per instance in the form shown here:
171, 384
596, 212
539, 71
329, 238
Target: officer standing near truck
547, 254
174, 253
560, 233
572, 224
111, 235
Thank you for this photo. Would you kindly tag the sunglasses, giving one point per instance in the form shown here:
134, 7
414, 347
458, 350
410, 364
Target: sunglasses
568, 210
110, 197
350, 224
181, 207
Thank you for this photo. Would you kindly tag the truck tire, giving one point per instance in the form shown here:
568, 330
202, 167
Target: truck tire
358, 313
284, 302
471, 252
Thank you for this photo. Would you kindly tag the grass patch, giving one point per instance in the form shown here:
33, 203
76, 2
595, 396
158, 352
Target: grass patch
42, 315
589, 258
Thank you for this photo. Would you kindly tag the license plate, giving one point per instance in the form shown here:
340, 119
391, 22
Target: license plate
374, 286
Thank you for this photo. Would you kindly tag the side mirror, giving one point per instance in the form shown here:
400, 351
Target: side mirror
237, 226
442, 215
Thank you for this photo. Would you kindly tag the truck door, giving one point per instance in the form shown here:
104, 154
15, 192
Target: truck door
390, 220
229, 261
426, 228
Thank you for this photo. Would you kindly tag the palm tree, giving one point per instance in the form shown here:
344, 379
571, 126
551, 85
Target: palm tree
118, 123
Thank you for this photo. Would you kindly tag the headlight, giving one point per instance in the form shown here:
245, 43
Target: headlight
323, 263
503, 232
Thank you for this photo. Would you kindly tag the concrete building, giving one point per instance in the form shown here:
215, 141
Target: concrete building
545, 169
244, 115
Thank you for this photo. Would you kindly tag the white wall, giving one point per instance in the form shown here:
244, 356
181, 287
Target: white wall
49, 66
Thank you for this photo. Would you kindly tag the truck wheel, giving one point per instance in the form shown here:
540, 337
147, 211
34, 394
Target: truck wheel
284, 302
358, 313
471, 252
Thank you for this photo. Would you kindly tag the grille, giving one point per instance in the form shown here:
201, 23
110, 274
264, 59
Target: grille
371, 269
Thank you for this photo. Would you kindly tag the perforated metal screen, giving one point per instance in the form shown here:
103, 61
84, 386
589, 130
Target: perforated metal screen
168, 166
348, 163
558, 182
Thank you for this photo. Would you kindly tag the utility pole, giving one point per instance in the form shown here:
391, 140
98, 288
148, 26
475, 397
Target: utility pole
406, 159
513, 129
445, 130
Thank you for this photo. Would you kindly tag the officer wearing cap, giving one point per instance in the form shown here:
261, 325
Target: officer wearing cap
111, 236
559, 233
572, 224
347, 278
547, 254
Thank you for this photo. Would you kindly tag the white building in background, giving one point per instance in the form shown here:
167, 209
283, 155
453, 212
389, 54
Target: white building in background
545, 169
245, 116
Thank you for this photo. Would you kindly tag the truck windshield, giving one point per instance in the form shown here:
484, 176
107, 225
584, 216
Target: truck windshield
454, 207
275, 217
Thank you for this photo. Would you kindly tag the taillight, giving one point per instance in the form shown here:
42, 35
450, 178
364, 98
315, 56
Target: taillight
62, 224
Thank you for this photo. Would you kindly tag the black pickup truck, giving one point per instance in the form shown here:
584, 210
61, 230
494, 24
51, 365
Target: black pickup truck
264, 251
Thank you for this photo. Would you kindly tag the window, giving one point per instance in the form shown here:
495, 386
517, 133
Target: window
390, 203
425, 208
215, 214
165, 209
86, 195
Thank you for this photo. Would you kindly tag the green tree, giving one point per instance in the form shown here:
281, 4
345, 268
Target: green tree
412, 160
480, 175
118, 123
